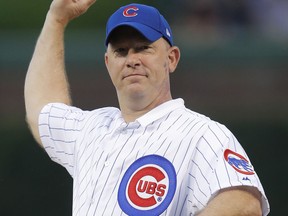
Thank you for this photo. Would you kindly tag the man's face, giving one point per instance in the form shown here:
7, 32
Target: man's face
137, 67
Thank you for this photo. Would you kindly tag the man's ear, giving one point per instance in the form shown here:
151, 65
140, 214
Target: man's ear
174, 58
106, 59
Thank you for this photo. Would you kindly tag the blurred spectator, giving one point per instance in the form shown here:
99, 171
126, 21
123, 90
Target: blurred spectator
213, 20
197, 20
270, 17
234, 14
208, 19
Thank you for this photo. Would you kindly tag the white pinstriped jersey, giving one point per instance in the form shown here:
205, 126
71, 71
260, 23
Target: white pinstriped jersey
170, 161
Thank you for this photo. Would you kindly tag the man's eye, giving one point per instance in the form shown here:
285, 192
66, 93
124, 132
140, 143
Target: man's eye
120, 51
142, 48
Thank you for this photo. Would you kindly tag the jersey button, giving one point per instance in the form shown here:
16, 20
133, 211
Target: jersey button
107, 163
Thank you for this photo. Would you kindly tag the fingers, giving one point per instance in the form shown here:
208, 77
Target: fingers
66, 10
83, 5
89, 2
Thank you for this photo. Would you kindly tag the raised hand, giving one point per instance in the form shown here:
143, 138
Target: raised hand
66, 10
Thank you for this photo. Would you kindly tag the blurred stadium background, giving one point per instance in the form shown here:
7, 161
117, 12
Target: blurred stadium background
234, 68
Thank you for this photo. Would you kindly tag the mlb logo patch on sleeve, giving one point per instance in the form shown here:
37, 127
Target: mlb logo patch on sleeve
238, 162
148, 186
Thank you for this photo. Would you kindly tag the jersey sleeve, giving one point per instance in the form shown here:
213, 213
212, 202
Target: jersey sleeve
59, 126
224, 163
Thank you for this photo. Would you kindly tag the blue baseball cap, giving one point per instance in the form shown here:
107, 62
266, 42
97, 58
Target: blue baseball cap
145, 19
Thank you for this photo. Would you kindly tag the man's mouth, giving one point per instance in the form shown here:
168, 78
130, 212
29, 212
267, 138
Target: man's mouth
134, 75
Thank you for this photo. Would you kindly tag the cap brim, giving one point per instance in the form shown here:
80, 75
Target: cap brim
148, 32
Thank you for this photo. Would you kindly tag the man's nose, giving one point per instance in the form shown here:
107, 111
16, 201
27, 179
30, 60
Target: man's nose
133, 59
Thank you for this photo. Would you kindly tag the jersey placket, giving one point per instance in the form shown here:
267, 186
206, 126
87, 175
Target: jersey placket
109, 162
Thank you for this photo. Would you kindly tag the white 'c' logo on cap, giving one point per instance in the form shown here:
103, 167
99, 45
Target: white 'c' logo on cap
130, 11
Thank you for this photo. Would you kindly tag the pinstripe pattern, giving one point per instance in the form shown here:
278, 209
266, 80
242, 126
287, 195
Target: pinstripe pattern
97, 147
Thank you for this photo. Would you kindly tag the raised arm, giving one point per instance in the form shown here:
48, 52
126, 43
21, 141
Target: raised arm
46, 79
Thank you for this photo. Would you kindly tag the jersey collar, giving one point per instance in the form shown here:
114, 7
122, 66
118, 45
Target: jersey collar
160, 111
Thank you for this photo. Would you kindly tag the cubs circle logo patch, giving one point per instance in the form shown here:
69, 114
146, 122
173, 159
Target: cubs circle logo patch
238, 162
148, 186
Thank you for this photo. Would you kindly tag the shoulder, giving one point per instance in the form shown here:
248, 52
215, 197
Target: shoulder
214, 129
65, 107
63, 111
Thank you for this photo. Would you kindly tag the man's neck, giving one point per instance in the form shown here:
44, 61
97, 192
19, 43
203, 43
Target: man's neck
131, 110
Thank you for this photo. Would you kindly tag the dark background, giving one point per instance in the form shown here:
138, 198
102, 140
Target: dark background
233, 68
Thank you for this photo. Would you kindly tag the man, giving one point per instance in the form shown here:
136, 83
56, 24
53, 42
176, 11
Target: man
152, 156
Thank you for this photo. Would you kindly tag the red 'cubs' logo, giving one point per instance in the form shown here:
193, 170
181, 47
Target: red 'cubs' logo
130, 11
147, 187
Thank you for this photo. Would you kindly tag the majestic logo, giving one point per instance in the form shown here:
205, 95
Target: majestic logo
130, 11
148, 186
238, 162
